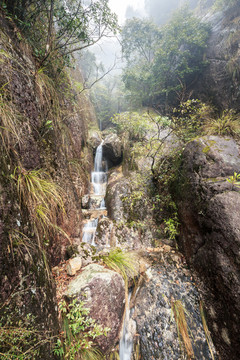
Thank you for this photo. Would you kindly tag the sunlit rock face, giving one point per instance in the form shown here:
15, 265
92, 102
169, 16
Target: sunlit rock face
220, 79
210, 232
105, 297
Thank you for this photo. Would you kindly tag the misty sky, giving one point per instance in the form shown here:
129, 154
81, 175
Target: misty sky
120, 6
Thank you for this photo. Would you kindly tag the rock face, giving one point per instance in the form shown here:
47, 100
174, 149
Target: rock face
112, 149
130, 209
220, 80
105, 292
154, 315
210, 232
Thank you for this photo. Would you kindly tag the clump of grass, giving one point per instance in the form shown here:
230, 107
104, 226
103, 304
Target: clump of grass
125, 263
180, 313
207, 332
9, 123
42, 197
227, 124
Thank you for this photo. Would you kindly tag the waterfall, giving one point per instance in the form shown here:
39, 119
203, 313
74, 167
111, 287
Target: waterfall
99, 183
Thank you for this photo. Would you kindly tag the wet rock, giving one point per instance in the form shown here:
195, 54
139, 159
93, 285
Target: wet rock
156, 326
117, 188
96, 202
85, 201
112, 150
94, 139
210, 232
105, 292
104, 232
73, 265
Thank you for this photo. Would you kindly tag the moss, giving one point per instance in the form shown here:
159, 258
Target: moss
206, 149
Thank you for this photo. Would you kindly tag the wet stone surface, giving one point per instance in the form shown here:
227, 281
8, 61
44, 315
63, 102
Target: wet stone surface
156, 324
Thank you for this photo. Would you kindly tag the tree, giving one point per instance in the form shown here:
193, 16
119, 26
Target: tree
162, 63
57, 27
140, 40
180, 58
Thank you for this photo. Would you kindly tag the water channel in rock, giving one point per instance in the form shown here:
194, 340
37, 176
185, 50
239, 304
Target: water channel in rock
97, 203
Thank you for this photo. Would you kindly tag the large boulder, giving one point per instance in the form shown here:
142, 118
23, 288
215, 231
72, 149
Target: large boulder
210, 232
168, 281
105, 291
112, 149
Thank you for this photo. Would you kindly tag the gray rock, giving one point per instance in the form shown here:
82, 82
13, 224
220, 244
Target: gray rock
154, 317
94, 139
105, 292
112, 149
85, 201
219, 81
210, 232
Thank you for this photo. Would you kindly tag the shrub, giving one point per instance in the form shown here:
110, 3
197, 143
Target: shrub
79, 331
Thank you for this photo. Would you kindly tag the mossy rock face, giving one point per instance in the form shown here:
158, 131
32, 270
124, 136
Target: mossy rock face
210, 231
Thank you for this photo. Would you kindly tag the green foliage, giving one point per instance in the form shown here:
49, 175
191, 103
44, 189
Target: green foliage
224, 4
175, 56
189, 119
123, 262
137, 125
108, 99
140, 39
171, 227
79, 332
234, 180
79, 24
19, 338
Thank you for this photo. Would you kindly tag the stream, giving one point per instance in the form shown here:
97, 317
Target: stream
96, 210
97, 202
149, 325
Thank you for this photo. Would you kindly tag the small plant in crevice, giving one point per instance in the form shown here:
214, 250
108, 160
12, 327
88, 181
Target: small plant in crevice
234, 180
171, 227
79, 332
43, 199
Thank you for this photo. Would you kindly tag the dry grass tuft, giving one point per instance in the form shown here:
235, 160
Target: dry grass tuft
180, 313
43, 199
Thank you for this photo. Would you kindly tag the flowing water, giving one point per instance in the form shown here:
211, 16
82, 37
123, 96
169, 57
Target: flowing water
126, 341
99, 183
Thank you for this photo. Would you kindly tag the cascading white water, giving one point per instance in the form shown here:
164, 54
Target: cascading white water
99, 183
126, 341
99, 176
